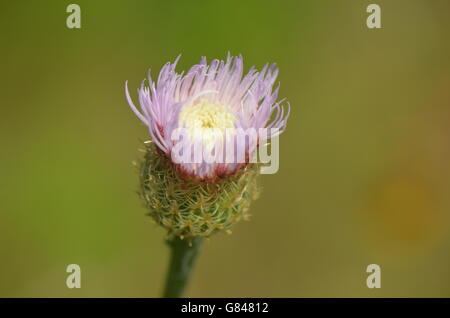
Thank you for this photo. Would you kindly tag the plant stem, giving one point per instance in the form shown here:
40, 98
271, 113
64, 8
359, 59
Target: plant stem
182, 259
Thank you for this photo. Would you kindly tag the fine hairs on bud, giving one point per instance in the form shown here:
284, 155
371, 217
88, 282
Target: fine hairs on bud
190, 208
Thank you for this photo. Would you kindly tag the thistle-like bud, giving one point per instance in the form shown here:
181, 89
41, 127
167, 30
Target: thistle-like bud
217, 110
188, 208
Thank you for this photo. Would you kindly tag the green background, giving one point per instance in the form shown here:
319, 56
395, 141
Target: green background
364, 172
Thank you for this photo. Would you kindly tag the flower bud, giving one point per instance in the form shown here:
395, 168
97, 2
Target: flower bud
217, 109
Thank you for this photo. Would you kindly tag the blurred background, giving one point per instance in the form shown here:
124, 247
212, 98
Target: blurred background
364, 175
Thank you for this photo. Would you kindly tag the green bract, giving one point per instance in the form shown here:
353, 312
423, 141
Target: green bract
190, 208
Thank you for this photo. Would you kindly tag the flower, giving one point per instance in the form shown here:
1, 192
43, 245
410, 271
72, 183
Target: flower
220, 114
210, 102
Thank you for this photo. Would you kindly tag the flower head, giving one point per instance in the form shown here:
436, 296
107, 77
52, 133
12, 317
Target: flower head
213, 106
214, 109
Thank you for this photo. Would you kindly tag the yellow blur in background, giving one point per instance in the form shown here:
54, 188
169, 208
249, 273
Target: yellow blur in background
364, 172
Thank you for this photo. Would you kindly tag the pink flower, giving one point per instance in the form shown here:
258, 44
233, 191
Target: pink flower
207, 102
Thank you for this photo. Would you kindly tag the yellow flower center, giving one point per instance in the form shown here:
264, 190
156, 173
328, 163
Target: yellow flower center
206, 114
206, 120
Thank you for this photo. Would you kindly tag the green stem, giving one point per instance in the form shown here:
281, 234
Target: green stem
182, 259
